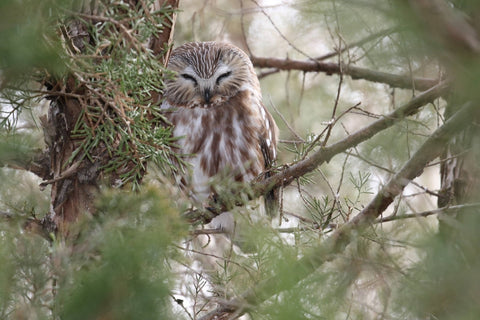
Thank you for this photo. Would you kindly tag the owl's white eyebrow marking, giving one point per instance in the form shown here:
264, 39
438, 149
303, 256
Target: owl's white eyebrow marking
222, 68
189, 70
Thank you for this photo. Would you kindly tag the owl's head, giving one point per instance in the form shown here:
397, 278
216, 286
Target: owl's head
208, 74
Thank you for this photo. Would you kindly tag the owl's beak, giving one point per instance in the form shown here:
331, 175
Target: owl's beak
207, 95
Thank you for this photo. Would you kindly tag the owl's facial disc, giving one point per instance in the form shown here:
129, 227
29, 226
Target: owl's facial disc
209, 87
206, 89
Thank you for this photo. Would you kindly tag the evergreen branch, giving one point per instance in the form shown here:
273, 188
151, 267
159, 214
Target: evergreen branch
393, 80
336, 243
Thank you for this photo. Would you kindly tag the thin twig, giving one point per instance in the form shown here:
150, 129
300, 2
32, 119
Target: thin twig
357, 155
427, 213
217, 257
359, 43
280, 32
180, 303
290, 128
330, 124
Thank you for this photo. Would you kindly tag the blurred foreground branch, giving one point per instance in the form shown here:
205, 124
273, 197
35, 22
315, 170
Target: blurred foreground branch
336, 243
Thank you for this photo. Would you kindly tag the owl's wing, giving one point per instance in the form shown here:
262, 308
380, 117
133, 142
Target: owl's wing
176, 168
268, 144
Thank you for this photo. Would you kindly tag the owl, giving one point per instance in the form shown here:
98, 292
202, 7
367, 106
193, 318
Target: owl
215, 105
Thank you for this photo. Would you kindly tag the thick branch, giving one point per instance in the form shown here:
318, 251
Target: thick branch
393, 80
37, 163
160, 44
432, 147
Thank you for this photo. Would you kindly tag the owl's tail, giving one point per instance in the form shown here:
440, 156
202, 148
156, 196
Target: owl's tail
272, 202
272, 197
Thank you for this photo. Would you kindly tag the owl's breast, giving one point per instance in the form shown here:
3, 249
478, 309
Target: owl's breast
220, 140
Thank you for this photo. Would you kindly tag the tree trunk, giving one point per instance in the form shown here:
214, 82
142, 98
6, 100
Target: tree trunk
460, 174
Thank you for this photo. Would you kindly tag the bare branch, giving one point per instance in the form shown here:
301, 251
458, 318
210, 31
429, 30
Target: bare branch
377, 35
390, 218
393, 80
274, 25
431, 149
427, 213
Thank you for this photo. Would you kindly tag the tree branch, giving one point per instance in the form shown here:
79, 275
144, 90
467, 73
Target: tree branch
161, 44
393, 80
38, 164
327, 251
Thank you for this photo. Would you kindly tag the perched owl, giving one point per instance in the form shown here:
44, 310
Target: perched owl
215, 105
